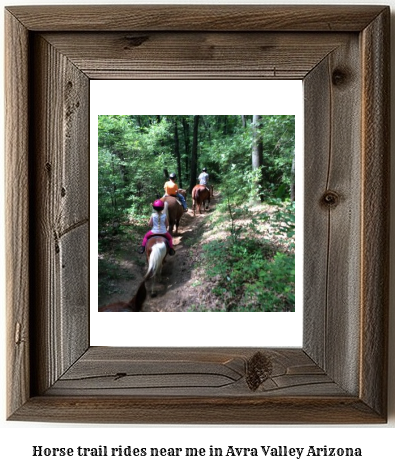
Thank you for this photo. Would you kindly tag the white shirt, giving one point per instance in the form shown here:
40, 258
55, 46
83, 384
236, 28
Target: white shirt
158, 223
203, 178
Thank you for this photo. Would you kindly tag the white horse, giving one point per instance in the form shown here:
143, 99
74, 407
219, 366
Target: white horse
156, 250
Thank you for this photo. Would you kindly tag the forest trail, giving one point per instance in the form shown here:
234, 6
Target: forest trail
246, 241
181, 273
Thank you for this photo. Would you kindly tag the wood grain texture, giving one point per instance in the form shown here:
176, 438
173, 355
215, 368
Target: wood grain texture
60, 192
196, 17
376, 211
195, 55
17, 213
124, 385
332, 202
188, 372
339, 376
317, 147
198, 410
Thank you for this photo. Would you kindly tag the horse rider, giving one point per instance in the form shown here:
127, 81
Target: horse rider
171, 189
158, 222
203, 178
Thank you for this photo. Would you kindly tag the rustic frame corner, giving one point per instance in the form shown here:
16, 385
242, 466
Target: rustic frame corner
340, 374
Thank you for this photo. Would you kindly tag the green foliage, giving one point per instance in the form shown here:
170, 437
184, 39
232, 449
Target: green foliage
253, 268
135, 150
228, 155
255, 273
278, 135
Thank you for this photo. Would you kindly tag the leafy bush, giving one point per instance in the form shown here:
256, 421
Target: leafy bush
255, 273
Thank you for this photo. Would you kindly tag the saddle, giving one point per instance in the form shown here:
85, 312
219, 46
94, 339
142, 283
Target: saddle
175, 196
159, 235
169, 250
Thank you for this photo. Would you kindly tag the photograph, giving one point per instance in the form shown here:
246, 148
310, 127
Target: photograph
196, 213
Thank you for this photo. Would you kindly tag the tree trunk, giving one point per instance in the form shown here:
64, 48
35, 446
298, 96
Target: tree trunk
177, 152
257, 148
293, 180
225, 128
194, 158
114, 189
187, 143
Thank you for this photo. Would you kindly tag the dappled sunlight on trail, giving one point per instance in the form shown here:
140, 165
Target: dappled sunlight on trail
176, 290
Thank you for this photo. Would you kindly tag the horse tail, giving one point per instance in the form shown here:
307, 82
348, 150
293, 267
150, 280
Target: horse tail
157, 255
137, 302
134, 305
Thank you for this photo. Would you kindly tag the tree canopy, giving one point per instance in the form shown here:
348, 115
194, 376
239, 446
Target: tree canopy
134, 151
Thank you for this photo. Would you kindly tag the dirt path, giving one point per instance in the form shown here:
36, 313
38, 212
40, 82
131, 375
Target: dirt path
176, 291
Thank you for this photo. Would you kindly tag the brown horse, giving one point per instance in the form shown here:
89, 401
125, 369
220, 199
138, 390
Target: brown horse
156, 250
200, 196
174, 212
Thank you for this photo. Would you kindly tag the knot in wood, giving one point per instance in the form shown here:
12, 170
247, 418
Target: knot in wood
259, 369
339, 77
135, 41
330, 199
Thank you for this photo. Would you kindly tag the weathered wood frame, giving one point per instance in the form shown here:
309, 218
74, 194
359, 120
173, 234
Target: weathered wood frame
340, 374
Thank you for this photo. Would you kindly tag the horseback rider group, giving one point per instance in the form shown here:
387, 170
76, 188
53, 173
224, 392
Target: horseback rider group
158, 220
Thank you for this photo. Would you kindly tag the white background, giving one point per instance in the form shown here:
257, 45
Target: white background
17, 439
210, 97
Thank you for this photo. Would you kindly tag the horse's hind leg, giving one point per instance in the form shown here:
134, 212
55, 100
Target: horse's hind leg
157, 278
153, 291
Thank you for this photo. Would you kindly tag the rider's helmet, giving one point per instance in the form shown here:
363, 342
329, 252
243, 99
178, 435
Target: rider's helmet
172, 176
204, 169
158, 205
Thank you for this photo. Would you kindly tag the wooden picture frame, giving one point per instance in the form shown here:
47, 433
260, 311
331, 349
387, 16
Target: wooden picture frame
340, 374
